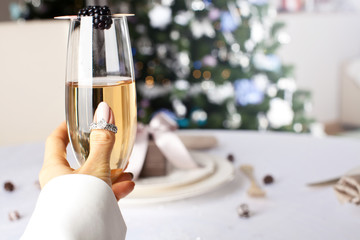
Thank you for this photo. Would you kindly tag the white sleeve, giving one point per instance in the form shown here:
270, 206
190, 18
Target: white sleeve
74, 207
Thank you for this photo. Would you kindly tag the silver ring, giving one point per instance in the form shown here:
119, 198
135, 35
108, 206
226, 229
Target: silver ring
103, 125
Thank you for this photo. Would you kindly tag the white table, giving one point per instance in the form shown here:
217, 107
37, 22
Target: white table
291, 210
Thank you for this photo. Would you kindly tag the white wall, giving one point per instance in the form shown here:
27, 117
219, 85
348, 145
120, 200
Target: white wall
32, 79
320, 44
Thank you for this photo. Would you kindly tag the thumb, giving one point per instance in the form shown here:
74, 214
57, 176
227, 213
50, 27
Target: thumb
101, 140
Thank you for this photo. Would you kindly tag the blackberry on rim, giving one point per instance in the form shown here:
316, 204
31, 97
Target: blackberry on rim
101, 16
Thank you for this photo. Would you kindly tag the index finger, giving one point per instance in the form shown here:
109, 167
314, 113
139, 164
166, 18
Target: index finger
55, 147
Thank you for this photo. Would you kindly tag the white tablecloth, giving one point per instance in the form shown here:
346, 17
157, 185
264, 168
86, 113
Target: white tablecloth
291, 210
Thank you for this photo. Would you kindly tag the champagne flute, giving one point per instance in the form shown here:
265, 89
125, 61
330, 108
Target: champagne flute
100, 69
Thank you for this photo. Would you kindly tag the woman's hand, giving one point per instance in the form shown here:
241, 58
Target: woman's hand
98, 162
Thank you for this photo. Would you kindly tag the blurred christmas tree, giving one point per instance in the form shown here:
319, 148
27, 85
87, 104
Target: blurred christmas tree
213, 64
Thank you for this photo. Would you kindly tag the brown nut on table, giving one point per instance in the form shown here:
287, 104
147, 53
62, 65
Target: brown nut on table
268, 179
9, 186
231, 157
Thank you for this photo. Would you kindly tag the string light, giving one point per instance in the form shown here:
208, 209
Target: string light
217, 25
220, 43
197, 74
225, 74
166, 82
139, 65
207, 75
149, 81
150, 71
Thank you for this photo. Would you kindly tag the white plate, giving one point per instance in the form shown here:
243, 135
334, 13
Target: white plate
224, 172
178, 177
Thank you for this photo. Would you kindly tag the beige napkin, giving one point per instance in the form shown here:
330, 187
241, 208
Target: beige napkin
198, 142
347, 189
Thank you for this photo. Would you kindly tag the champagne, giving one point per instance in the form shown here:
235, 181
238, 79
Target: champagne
82, 101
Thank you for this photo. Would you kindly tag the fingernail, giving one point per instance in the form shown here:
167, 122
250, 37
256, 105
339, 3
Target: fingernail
132, 175
103, 112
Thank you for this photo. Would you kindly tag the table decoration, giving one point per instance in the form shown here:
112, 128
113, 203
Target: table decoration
176, 177
183, 183
156, 164
243, 210
347, 189
14, 215
166, 167
254, 190
157, 144
9, 186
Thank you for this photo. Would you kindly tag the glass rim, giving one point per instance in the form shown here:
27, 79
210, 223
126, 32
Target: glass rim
75, 17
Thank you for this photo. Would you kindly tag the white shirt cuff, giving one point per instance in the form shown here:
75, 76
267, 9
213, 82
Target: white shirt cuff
76, 206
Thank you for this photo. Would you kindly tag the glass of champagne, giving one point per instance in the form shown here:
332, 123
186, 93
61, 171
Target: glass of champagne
100, 69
